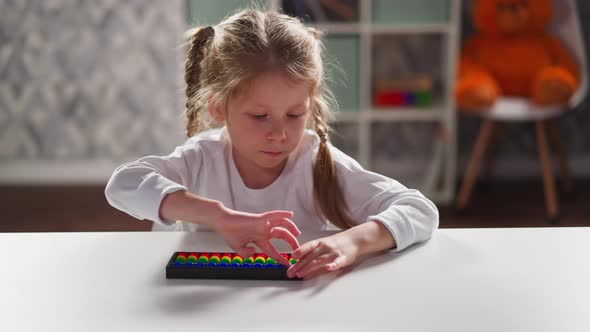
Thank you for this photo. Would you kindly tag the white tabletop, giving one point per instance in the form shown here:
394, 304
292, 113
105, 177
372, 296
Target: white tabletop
532, 279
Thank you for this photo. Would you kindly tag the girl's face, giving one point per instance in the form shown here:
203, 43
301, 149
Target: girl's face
266, 122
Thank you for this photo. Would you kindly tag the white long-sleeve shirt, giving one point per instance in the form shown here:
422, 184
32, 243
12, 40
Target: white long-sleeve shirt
204, 166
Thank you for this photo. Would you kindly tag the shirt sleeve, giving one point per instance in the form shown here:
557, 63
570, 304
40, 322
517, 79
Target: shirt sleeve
138, 188
406, 213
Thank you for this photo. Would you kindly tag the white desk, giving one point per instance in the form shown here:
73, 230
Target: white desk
461, 280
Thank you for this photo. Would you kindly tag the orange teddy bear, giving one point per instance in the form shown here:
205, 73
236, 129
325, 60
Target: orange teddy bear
514, 56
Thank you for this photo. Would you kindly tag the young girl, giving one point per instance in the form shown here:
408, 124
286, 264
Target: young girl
261, 75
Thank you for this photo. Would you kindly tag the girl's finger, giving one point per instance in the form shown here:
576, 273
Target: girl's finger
319, 262
312, 251
271, 251
317, 273
276, 215
305, 249
285, 235
286, 224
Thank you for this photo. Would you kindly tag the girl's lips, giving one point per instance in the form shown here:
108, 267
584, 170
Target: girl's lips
272, 153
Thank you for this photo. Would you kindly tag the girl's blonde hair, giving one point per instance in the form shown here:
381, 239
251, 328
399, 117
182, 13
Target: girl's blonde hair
222, 58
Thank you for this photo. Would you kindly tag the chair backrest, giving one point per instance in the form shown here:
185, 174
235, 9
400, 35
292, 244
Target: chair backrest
567, 26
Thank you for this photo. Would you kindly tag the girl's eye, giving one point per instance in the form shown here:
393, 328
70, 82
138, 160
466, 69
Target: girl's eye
294, 116
258, 116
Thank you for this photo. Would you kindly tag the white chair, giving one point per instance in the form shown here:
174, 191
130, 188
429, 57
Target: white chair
566, 25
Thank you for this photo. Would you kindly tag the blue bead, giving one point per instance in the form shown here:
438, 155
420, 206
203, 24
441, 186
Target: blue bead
280, 266
212, 264
235, 264
224, 264
178, 264
247, 265
410, 98
270, 266
258, 265
201, 264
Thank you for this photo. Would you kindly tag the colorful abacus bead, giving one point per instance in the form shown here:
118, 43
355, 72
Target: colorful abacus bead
225, 260
260, 258
270, 263
214, 260
192, 258
237, 261
204, 258
293, 261
248, 262
259, 261
180, 258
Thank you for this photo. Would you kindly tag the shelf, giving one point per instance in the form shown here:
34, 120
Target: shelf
405, 114
392, 115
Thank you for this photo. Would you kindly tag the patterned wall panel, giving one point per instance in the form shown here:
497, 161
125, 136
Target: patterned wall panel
89, 80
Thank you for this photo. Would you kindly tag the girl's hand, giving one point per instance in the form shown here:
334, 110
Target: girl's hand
324, 255
239, 229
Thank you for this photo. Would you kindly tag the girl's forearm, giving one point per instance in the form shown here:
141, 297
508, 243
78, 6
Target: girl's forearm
185, 206
372, 236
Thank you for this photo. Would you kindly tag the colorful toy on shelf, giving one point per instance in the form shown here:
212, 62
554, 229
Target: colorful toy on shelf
226, 265
514, 54
416, 91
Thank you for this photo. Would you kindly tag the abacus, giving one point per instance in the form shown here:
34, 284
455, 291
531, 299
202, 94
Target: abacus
226, 265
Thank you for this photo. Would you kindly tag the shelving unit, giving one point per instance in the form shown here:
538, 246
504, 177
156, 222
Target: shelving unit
351, 43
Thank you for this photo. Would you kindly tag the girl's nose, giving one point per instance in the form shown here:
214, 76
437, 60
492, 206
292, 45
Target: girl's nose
276, 132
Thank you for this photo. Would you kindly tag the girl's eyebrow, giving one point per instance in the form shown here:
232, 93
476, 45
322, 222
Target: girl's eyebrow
264, 106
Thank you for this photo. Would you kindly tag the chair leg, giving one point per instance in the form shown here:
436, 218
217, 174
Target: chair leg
492, 151
479, 150
560, 152
548, 177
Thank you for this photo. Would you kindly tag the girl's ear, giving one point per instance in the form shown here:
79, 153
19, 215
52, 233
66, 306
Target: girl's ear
215, 110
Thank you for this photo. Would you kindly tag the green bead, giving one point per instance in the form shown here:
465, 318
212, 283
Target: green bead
214, 259
271, 261
424, 98
192, 259
259, 260
225, 259
238, 260
180, 259
203, 259
293, 261
249, 260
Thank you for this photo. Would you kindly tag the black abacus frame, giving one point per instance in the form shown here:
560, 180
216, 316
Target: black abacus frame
192, 271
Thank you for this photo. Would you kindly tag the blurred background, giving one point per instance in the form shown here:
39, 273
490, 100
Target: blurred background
88, 85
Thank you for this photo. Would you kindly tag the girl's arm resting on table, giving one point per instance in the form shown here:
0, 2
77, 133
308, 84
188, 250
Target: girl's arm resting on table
341, 249
389, 215
371, 237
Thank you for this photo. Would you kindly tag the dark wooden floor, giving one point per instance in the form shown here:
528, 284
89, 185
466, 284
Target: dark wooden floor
64, 209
